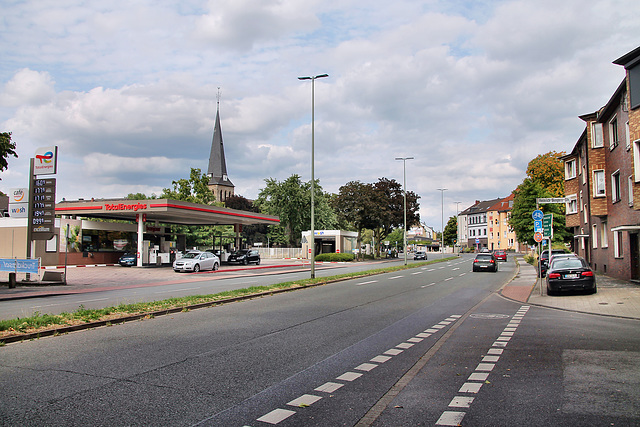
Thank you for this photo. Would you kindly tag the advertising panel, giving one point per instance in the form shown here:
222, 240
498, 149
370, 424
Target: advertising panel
45, 161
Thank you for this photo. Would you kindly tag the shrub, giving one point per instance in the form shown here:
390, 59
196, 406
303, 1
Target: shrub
334, 257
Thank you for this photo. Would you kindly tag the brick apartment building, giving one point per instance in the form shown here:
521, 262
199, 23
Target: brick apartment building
485, 225
602, 181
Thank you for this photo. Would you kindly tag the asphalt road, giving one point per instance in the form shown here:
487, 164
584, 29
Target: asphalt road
390, 350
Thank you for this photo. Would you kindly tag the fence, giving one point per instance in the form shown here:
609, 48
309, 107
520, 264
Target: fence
280, 252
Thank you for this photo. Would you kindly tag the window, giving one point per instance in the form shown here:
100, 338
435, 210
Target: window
572, 204
636, 160
594, 237
615, 186
630, 190
617, 244
584, 174
585, 214
627, 135
596, 137
570, 169
604, 238
598, 184
613, 133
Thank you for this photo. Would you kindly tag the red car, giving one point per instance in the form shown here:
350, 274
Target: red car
500, 255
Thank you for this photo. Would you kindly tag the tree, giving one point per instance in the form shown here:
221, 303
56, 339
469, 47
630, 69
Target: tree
251, 233
195, 189
548, 171
353, 206
7, 148
450, 231
290, 200
140, 196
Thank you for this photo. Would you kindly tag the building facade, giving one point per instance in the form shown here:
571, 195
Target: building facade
602, 181
501, 235
475, 222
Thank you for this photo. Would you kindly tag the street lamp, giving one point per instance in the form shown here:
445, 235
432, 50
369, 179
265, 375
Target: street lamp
404, 230
458, 235
313, 189
442, 190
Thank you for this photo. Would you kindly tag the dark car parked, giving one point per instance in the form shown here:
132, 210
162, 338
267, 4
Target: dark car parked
485, 261
420, 255
570, 273
544, 259
244, 256
128, 260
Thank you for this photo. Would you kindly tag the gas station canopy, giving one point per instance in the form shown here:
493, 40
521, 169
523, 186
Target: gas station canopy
164, 211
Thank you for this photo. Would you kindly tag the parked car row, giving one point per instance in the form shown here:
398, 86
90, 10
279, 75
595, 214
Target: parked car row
195, 261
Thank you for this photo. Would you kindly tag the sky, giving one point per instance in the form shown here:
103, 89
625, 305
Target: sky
472, 90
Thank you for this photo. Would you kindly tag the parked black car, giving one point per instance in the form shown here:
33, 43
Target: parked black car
420, 255
570, 273
544, 259
244, 256
485, 261
128, 260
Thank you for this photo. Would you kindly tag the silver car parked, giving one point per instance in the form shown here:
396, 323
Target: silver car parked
196, 261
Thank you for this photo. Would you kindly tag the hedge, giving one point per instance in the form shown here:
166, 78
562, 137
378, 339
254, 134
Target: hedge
334, 257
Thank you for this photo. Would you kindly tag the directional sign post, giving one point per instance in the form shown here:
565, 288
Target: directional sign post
547, 226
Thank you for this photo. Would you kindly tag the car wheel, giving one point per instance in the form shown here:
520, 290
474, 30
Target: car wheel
216, 266
550, 292
196, 268
245, 262
258, 262
595, 289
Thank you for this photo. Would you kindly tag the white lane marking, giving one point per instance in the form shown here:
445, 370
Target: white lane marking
507, 334
329, 387
461, 402
456, 315
444, 322
510, 329
395, 277
92, 300
305, 400
478, 376
454, 269
461, 274
431, 269
470, 388
501, 338
349, 376
450, 278
450, 418
450, 319
487, 367
417, 272
45, 305
366, 283
177, 290
438, 326
366, 367
495, 351
380, 359
426, 286
423, 335
405, 345
414, 339
499, 344
431, 331
491, 358
275, 416
393, 351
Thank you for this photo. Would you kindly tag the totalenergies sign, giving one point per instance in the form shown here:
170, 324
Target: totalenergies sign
45, 161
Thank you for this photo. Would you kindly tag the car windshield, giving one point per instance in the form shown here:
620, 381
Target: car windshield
566, 263
191, 255
484, 256
242, 252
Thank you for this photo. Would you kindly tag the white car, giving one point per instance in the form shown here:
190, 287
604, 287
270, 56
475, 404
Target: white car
196, 261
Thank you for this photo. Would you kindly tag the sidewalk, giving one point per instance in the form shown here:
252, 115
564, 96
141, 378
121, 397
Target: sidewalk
614, 297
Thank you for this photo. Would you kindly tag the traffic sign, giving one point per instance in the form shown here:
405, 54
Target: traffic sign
545, 200
537, 214
547, 225
537, 237
537, 226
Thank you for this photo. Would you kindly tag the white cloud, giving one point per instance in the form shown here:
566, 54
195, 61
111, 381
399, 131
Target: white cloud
28, 87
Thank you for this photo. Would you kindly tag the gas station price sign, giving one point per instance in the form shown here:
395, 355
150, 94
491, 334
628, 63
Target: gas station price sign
43, 208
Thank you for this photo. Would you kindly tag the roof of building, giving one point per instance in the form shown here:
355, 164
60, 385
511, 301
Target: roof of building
217, 170
480, 207
503, 205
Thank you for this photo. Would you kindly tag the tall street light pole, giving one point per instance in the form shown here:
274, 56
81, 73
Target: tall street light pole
458, 237
404, 230
313, 189
442, 190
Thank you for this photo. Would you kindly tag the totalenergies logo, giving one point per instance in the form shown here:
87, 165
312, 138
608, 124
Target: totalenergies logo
46, 157
18, 195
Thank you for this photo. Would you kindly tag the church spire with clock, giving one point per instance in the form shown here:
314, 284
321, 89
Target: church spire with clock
219, 182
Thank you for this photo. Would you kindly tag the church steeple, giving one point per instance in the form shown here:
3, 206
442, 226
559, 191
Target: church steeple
219, 181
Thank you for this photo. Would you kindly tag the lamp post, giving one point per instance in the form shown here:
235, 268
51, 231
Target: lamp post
442, 190
313, 189
404, 192
458, 236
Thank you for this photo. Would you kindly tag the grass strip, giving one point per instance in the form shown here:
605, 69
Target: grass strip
38, 322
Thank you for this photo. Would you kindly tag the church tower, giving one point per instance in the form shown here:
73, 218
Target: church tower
219, 182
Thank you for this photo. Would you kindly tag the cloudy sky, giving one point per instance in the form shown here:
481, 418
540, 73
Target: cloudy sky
473, 90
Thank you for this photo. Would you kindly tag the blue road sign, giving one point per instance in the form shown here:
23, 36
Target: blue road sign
537, 215
537, 226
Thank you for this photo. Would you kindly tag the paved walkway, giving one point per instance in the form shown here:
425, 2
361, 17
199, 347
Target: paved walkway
614, 297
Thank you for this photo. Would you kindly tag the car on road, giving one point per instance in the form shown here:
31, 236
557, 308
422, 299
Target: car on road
500, 254
485, 261
128, 260
570, 273
196, 261
420, 255
544, 259
244, 256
